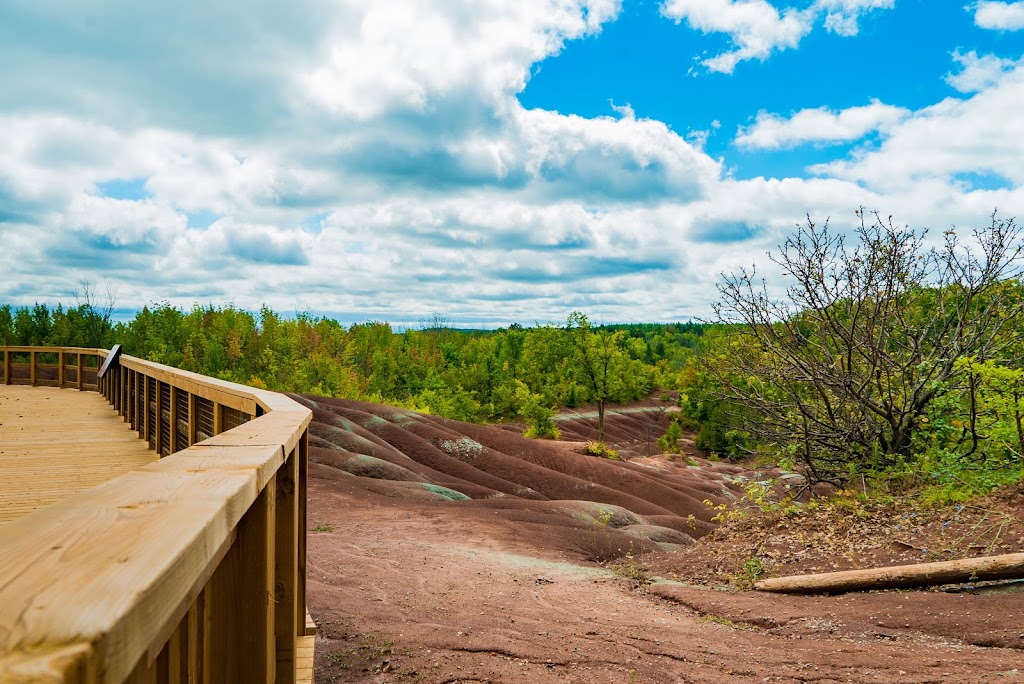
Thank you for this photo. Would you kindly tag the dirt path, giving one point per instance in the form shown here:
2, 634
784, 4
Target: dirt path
408, 593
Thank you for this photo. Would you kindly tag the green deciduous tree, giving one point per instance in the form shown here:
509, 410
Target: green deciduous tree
603, 365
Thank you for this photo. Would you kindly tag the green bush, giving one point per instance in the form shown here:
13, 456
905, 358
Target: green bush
601, 449
669, 442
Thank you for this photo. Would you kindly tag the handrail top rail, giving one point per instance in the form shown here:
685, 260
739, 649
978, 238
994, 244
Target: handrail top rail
268, 400
21, 349
231, 394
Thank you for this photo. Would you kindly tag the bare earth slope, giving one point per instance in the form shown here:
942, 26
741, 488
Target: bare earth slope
450, 552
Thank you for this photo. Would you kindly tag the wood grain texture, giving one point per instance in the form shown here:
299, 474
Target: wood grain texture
304, 659
57, 442
168, 572
111, 566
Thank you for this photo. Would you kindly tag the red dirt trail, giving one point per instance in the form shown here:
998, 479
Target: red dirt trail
448, 552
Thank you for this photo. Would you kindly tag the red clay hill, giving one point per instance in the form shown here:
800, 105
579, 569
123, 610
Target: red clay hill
442, 551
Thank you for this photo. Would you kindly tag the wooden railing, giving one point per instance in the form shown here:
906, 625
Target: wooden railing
52, 366
191, 569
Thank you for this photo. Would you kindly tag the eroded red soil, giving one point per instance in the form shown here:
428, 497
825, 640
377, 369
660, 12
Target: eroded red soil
411, 582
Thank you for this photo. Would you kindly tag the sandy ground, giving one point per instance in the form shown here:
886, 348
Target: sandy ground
409, 582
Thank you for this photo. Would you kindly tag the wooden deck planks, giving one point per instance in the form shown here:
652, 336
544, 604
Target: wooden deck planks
304, 659
56, 442
304, 651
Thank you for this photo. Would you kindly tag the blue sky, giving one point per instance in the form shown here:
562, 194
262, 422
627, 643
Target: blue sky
492, 162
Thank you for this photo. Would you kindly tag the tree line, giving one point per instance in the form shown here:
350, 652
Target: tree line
512, 373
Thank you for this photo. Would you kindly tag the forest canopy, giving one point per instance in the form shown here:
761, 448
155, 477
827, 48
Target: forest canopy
512, 373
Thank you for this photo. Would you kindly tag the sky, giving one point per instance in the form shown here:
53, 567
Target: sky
491, 161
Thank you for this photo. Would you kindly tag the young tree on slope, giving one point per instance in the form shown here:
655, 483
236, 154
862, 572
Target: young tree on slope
841, 371
599, 359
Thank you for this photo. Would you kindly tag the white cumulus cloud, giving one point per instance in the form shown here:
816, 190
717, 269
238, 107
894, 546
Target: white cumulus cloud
982, 135
755, 26
758, 28
1003, 16
842, 16
399, 55
821, 125
978, 73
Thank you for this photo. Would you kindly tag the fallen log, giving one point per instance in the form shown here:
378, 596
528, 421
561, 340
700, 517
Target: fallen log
1010, 566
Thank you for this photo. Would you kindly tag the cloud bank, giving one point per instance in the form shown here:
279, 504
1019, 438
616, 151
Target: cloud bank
372, 160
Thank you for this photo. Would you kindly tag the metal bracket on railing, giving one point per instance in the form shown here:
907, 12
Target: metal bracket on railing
112, 360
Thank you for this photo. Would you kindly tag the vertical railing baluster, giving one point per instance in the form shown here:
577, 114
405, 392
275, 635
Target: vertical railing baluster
131, 398
192, 422
159, 419
140, 405
193, 666
172, 447
126, 408
145, 408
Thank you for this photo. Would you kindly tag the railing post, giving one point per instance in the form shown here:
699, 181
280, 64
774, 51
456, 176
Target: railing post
133, 381
32, 367
240, 600
7, 367
303, 525
78, 379
218, 418
126, 395
286, 568
60, 369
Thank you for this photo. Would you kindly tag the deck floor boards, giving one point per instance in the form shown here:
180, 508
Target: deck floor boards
56, 442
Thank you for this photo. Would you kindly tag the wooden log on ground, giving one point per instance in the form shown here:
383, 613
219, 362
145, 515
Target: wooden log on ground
1010, 566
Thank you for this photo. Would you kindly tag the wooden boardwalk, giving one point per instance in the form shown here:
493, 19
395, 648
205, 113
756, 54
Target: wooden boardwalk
55, 442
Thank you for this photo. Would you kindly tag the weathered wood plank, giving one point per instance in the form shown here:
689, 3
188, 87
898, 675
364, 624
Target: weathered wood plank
66, 663
270, 429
